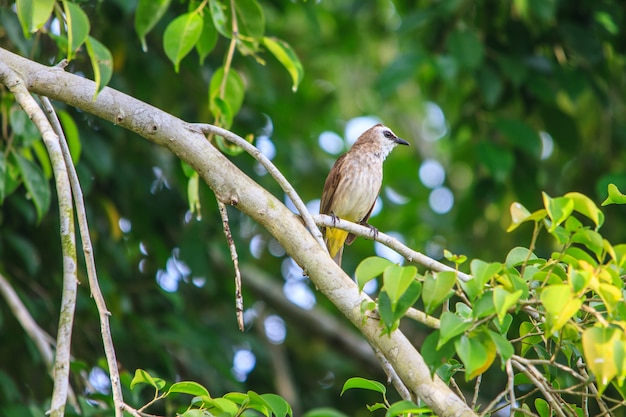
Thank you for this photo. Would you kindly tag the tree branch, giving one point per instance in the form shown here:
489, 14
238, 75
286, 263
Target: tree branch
232, 186
408, 253
90, 262
9, 77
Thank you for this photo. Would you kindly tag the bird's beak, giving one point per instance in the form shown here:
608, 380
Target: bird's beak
401, 141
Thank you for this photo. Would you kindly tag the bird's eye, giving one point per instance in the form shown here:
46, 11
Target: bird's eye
388, 134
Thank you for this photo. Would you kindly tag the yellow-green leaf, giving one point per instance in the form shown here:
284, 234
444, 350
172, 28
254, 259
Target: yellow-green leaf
101, 62
599, 351
77, 27
283, 52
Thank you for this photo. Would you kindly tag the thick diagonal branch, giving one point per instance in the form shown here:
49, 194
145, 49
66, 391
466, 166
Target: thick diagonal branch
231, 185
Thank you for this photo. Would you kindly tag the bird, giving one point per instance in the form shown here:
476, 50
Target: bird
353, 184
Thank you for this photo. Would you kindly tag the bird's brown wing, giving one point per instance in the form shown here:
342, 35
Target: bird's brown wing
330, 186
351, 237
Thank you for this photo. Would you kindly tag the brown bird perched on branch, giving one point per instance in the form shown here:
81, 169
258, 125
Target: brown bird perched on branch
353, 184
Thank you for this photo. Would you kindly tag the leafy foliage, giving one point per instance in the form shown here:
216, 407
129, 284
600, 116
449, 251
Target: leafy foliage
569, 308
531, 97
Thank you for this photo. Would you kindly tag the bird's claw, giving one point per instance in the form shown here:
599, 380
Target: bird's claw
335, 218
373, 230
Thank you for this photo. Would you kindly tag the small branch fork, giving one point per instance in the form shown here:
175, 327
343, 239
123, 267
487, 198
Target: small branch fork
208, 129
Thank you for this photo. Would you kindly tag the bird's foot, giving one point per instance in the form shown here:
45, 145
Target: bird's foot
334, 217
373, 230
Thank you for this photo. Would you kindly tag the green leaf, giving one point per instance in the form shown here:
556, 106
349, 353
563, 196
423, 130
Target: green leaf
520, 135
370, 268
208, 38
362, 383
611, 296
283, 52
257, 403
278, 405
407, 299
148, 13
503, 346
77, 27
101, 62
396, 280
476, 353
386, 311
35, 183
559, 209
193, 194
457, 259
599, 352
225, 405
543, 408
405, 407
437, 289
483, 306
483, 272
451, 326
436, 357
519, 215
504, 300
324, 412
466, 48
591, 239
585, 206
221, 19
143, 377
560, 304
232, 95
33, 14
615, 196
180, 37
250, 18
189, 387
527, 341
517, 256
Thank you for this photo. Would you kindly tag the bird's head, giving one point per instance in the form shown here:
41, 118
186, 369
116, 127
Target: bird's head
381, 138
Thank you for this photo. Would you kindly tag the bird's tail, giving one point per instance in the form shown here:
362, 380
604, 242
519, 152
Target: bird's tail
335, 239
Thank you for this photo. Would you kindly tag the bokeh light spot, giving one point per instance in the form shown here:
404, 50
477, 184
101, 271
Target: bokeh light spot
432, 174
441, 200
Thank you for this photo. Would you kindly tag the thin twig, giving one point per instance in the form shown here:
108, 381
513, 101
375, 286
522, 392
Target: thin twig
511, 382
92, 275
479, 379
271, 169
392, 375
68, 237
535, 377
43, 341
583, 371
408, 253
421, 317
32, 329
235, 259
491, 407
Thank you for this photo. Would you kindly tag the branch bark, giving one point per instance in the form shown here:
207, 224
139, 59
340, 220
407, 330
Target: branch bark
9, 77
232, 186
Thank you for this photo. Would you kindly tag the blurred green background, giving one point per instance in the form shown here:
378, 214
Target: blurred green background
500, 100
